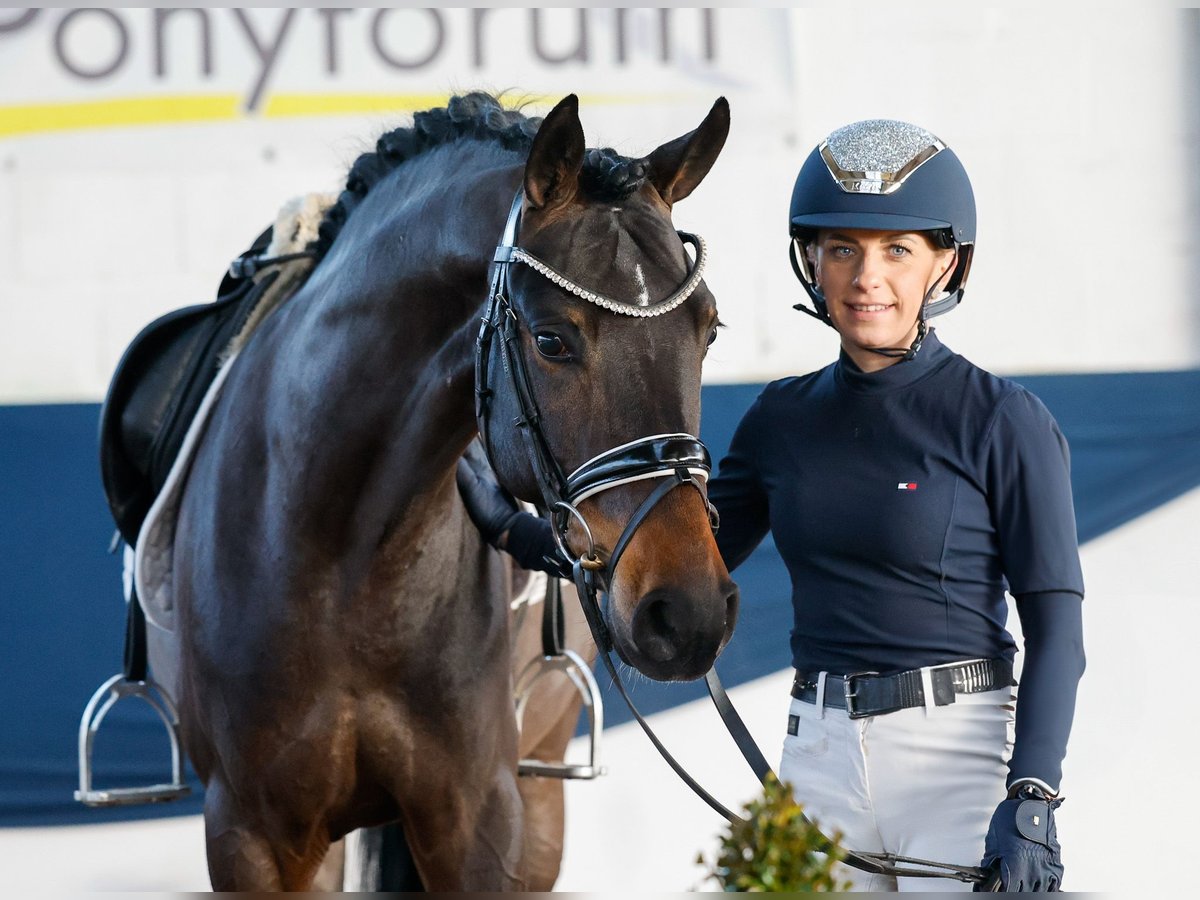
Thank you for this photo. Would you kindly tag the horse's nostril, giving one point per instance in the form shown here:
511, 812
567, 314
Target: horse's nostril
667, 625
655, 631
659, 618
732, 601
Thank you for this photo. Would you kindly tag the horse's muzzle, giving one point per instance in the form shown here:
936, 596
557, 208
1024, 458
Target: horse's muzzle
676, 636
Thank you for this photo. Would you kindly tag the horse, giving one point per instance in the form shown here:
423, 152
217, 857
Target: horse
343, 633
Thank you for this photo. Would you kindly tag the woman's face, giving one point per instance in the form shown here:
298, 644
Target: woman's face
874, 283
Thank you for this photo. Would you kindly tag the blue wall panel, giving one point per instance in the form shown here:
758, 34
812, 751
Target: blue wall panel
1135, 441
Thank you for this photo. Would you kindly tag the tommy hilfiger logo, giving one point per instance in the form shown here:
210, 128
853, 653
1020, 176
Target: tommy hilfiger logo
906, 486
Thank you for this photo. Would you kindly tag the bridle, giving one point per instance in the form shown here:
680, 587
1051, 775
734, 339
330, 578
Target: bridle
673, 459
676, 459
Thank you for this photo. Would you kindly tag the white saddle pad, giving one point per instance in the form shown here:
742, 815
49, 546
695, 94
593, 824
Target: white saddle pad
155, 556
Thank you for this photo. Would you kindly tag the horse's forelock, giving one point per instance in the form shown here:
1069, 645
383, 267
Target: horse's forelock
609, 176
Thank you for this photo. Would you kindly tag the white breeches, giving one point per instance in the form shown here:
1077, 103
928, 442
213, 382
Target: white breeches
920, 782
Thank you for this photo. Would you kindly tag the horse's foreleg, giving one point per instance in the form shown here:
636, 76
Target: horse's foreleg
243, 857
465, 844
544, 822
499, 838
332, 873
240, 857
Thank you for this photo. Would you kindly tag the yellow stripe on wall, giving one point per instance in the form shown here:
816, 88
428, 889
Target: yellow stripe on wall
296, 105
57, 117
45, 117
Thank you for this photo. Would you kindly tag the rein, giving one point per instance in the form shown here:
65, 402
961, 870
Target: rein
676, 459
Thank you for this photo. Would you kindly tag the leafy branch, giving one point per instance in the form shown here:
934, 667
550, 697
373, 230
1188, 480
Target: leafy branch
776, 848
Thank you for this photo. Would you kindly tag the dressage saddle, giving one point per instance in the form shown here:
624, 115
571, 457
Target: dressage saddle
159, 385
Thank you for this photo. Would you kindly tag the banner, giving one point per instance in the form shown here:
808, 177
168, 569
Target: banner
144, 148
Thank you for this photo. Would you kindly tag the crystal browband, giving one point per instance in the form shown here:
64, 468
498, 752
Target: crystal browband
625, 309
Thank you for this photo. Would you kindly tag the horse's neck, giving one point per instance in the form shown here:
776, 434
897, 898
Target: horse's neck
383, 351
399, 304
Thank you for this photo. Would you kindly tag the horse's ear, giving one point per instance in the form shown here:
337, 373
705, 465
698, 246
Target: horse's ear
556, 157
676, 168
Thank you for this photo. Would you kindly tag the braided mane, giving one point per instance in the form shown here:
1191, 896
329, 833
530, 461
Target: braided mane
606, 176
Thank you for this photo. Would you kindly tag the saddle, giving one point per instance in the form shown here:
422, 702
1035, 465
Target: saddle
166, 371
156, 389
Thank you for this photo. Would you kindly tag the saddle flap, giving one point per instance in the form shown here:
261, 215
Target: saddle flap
156, 389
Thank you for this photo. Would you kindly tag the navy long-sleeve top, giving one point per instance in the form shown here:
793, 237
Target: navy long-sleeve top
903, 503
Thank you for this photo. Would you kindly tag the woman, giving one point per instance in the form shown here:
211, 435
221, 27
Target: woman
906, 489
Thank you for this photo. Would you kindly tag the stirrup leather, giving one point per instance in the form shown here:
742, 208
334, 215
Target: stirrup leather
570, 663
117, 688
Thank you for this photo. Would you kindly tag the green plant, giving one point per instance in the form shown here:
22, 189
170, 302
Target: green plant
776, 848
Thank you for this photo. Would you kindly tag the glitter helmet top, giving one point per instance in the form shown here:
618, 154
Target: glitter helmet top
881, 174
876, 156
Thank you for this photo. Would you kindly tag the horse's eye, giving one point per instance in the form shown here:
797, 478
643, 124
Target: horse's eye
550, 345
712, 336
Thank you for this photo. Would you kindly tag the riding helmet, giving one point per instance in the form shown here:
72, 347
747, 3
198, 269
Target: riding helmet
883, 174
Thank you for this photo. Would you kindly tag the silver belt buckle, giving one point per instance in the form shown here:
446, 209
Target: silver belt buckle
850, 694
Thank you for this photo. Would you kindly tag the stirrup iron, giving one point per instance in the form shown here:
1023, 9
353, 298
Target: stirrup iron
581, 676
117, 688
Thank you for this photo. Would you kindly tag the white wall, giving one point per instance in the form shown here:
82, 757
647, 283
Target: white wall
1078, 133
104, 226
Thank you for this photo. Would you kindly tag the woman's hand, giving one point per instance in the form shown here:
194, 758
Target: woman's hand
492, 509
1021, 850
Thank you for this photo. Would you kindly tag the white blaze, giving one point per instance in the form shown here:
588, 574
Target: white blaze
643, 294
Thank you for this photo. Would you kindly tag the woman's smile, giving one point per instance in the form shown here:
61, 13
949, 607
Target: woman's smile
875, 283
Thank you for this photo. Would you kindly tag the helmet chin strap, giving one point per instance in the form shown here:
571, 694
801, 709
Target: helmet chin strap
901, 353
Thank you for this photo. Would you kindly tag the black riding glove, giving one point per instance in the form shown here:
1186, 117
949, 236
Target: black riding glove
1021, 851
490, 506
530, 539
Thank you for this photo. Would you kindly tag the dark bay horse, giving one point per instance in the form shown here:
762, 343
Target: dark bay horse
344, 643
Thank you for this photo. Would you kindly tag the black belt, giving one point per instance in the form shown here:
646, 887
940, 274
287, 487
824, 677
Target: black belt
871, 694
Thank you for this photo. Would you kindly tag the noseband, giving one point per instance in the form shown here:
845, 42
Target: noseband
676, 459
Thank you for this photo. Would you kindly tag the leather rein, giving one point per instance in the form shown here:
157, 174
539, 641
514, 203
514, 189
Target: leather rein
677, 459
